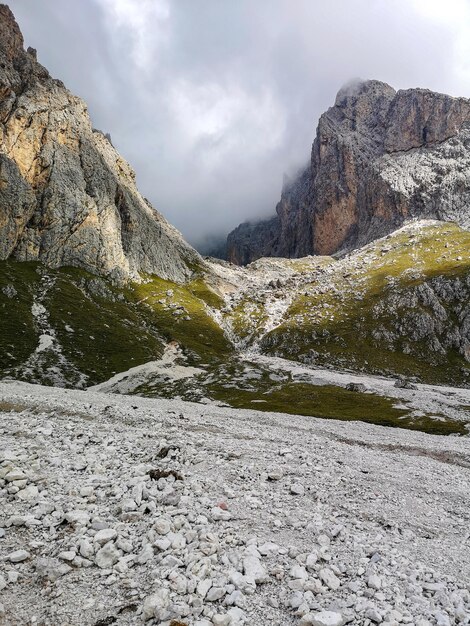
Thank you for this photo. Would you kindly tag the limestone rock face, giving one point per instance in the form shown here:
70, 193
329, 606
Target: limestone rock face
380, 157
66, 196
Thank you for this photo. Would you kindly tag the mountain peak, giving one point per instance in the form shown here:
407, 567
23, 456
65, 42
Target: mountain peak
66, 196
380, 157
11, 39
366, 88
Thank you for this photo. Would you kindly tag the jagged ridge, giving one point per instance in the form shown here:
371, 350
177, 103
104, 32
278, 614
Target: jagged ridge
380, 157
66, 196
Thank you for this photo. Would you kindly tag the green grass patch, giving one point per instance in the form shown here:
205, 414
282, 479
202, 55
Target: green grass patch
200, 334
101, 329
348, 323
18, 335
109, 334
337, 403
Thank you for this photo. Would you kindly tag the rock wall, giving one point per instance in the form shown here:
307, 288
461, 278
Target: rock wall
380, 157
66, 196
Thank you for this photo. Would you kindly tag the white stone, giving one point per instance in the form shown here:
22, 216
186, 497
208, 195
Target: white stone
373, 614
155, 603
297, 489
323, 618
18, 556
243, 583
107, 556
78, 517
329, 578
312, 558
269, 549
219, 514
237, 616
214, 594
374, 582
146, 555
297, 571
28, 493
86, 549
105, 535
15, 474
128, 504
162, 525
254, 570
203, 587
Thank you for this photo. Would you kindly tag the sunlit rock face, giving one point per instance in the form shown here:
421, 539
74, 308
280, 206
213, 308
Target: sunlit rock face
380, 157
66, 196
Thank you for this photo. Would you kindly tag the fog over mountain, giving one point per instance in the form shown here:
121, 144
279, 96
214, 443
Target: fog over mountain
211, 102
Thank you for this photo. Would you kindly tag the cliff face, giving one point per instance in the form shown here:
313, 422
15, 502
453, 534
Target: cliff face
380, 157
66, 196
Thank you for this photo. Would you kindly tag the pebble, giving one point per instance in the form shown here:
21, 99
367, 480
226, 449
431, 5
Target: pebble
374, 582
323, 618
104, 535
107, 556
329, 578
176, 558
18, 556
254, 570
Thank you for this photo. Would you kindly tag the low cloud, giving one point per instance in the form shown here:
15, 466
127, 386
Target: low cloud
211, 102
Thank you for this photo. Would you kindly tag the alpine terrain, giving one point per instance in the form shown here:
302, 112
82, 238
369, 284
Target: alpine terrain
281, 438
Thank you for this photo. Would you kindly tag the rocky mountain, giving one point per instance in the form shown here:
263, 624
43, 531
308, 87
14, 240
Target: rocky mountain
66, 196
97, 290
380, 157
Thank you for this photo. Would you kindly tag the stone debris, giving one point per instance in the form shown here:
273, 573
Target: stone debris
220, 530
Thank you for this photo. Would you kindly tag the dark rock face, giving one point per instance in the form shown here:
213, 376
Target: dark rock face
66, 196
380, 157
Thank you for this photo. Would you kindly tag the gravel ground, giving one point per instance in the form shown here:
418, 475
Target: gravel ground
124, 510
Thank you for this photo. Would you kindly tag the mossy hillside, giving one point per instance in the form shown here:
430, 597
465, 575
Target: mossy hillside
101, 329
241, 384
340, 321
200, 335
247, 319
110, 334
333, 402
18, 336
200, 289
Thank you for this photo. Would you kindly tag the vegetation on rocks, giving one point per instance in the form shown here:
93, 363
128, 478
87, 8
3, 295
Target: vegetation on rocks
400, 306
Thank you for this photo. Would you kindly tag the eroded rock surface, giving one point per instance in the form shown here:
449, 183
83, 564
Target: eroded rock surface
66, 196
380, 157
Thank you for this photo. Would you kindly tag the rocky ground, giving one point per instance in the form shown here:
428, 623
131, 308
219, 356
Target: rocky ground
124, 510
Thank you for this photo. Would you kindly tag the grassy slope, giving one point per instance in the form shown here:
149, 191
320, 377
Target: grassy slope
18, 337
246, 385
339, 322
113, 329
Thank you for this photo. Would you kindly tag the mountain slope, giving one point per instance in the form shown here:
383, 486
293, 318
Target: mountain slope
380, 157
67, 327
399, 306
66, 196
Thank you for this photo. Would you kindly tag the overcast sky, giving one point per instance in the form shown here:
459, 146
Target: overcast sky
212, 100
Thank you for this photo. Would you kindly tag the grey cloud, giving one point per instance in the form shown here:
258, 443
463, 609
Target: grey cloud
211, 100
